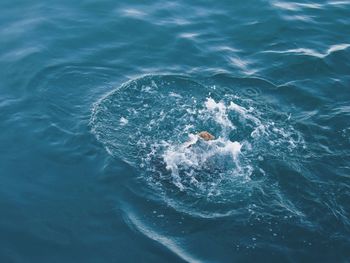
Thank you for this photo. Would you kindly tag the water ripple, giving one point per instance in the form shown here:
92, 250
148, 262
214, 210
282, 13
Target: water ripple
310, 52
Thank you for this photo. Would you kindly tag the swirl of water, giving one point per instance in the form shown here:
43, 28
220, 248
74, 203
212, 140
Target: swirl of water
152, 123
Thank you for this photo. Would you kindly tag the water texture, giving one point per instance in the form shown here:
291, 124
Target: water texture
100, 106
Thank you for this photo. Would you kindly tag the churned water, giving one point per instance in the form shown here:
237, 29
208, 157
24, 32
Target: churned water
100, 106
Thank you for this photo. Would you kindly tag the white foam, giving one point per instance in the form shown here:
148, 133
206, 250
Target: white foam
237, 108
147, 89
234, 148
123, 121
177, 157
173, 94
220, 112
212, 105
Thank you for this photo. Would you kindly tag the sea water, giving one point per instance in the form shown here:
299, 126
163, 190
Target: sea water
100, 106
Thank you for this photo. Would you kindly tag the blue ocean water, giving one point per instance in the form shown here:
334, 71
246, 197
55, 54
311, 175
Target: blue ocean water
99, 101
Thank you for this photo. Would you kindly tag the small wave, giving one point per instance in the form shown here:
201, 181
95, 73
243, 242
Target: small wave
133, 13
243, 65
189, 35
169, 243
338, 3
297, 6
294, 6
311, 52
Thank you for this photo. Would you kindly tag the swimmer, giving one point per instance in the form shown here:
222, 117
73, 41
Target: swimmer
206, 136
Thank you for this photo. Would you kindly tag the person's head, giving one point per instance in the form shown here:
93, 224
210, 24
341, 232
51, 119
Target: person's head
206, 136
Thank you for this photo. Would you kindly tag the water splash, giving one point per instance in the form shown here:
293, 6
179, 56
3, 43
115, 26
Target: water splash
152, 123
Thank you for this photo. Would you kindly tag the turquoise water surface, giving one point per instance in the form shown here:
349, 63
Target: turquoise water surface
99, 101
